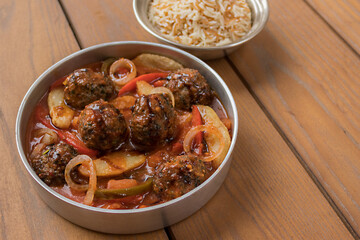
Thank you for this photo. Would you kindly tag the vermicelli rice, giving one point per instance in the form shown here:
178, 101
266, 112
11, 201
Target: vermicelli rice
201, 22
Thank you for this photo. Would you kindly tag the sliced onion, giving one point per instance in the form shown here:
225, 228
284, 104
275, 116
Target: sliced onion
41, 131
166, 91
212, 134
210, 117
71, 164
80, 159
89, 197
37, 150
49, 136
105, 65
91, 187
122, 63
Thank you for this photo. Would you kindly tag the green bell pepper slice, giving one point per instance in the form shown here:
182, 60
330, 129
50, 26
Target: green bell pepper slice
124, 192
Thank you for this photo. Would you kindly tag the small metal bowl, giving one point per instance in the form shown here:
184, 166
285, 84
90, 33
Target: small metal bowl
259, 15
132, 220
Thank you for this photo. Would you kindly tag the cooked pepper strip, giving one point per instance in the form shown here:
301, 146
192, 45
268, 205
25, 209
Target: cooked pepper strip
66, 136
131, 86
78, 144
196, 121
124, 192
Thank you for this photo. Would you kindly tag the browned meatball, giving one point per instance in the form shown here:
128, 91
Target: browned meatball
189, 87
153, 120
102, 126
178, 176
50, 165
85, 86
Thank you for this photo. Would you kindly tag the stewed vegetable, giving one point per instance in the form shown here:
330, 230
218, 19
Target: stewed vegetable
122, 134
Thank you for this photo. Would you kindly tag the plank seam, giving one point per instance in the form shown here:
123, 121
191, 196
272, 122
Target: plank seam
169, 233
331, 27
70, 24
295, 152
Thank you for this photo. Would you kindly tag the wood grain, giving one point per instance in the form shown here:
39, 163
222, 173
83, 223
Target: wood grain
34, 35
343, 16
268, 194
308, 80
103, 23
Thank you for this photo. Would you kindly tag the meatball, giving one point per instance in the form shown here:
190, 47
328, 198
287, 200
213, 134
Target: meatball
102, 126
85, 86
189, 87
153, 120
178, 176
50, 165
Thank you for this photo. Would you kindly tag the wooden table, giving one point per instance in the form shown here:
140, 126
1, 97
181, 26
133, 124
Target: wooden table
296, 167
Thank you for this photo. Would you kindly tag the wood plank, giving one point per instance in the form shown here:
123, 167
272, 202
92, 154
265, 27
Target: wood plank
267, 194
343, 16
308, 80
34, 35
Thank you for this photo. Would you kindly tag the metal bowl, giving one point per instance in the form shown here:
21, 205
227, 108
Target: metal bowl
259, 15
134, 220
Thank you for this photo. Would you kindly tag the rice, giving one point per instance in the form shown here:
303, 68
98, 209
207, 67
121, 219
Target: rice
201, 22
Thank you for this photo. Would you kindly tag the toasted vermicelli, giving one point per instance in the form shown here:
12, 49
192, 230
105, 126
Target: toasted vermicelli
201, 22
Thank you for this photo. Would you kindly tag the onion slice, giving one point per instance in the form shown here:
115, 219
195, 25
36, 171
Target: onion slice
48, 136
89, 197
41, 131
210, 117
37, 150
91, 187
166, 91
212, 135
106, 65
122, 63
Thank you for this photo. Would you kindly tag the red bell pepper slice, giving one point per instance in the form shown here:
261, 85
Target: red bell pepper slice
131, 85
78, 144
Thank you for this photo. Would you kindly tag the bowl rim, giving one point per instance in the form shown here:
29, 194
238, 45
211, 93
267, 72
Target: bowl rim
247, 37
120, 211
